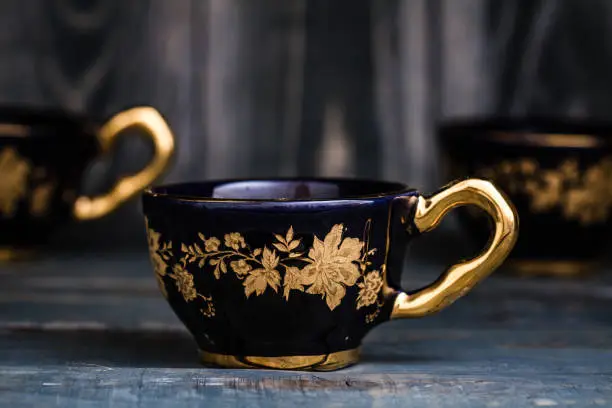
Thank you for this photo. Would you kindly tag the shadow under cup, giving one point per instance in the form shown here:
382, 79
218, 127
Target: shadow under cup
44, 154
292, 273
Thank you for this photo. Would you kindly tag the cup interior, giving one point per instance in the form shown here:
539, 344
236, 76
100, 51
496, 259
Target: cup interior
280, 189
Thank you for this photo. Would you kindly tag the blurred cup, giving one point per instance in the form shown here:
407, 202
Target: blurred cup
43, 157
558, 174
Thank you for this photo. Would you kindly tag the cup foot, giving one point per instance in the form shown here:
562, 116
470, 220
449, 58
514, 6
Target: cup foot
8, 254
322, 362
560, 268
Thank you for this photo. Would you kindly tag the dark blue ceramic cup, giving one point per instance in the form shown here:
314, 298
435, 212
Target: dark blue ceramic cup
292, 273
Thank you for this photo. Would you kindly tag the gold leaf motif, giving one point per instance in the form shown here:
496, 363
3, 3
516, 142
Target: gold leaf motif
280, 247
259, 279
41, 195
289, 236
161, 254
292, 281
294, 244
368, 289
13, 182
582, 196
332, 265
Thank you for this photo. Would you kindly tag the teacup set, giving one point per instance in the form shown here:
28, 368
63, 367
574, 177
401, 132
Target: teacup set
292, 273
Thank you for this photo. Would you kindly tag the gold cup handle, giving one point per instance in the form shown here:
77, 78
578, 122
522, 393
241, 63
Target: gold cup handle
462, 277
149, 120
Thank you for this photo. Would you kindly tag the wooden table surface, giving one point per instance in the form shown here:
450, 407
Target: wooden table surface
94, 331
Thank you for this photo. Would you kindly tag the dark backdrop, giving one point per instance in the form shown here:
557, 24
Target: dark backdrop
258, 88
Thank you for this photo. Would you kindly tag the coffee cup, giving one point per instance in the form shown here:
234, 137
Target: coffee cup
44, 154
293, 273
557, 174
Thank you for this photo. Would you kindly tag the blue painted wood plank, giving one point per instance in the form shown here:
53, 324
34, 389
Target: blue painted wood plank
96, 333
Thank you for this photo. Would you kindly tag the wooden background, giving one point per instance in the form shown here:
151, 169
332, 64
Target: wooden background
307, 87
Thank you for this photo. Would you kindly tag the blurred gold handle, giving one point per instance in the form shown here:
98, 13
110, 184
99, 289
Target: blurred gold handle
462, 277
149, 120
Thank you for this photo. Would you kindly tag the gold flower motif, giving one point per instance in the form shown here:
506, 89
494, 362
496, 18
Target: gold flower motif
529, 166
259, 279
368, 289
14, 170
240, 267
41, 196
333, 266
293, 280
584, 196
184, 282
234, 240
211, 244
153, 238
209, 308
159, 265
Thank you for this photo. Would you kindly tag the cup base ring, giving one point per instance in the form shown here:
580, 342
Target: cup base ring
322, 362
8, 254
530, 267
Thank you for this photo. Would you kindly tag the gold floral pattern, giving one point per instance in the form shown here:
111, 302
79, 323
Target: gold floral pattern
371, 317
160, 256
212, 244
13, 183
259, 279
292, 281
209, 308
233, 240
332, 264
585, 196
369, 289
184, 282
241, 267
41, 196
326, 269
21, 181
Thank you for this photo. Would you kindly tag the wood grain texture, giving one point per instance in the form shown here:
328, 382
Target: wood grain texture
248, 86
77, 332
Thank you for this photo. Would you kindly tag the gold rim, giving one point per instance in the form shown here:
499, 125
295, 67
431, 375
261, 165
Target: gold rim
531, 267
321, 362
549, 139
